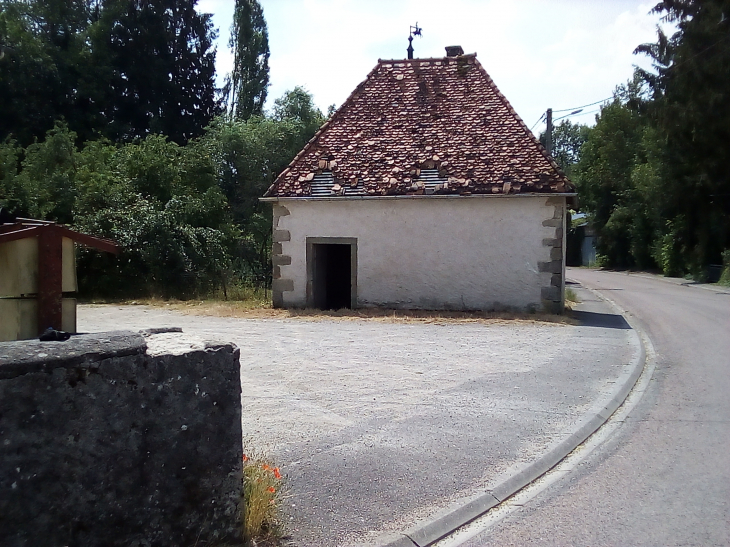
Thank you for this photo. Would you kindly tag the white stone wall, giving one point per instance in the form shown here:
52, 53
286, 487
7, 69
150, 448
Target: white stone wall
477, 252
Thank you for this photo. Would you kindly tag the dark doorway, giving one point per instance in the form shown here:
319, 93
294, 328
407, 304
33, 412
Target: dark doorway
331, 275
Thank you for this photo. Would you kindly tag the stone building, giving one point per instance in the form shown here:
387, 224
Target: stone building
424, 190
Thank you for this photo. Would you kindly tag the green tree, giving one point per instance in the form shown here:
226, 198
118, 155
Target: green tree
121, 69
297, 105
47, 177
159, 60
161, 203
12, 197
618, 176
246, 86
248, 155
43, 68
568, 138
691, 83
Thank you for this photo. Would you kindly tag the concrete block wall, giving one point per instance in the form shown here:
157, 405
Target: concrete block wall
120, 439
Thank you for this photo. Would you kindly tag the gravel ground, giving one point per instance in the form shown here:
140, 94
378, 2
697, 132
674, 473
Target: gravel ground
377, 425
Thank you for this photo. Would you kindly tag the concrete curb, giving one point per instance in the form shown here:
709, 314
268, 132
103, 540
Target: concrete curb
453, 518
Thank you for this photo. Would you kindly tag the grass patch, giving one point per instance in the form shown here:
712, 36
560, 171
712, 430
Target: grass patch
571, 296
571, 299
251, 309
236, 297
262, 483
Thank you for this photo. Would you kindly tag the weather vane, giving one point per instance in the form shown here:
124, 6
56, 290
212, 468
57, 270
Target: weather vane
414, 31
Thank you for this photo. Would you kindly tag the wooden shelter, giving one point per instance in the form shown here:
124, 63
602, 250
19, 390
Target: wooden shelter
38, 277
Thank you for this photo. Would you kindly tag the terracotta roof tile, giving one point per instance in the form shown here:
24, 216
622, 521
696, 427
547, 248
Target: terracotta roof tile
445, 114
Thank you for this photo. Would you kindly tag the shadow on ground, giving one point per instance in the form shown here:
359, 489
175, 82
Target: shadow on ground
603, 320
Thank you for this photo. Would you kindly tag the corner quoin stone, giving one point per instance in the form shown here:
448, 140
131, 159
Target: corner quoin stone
280, 260
279, 211
553, 267
553, 295
282, 285
281, 235
553, 222
550, 293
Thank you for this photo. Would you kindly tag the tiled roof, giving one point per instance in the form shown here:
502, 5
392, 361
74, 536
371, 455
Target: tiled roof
441, 114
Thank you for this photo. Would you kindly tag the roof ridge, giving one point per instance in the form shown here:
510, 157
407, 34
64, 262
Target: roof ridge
417, 59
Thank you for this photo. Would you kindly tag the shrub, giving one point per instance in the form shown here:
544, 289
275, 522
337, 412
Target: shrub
261, 494
725, 277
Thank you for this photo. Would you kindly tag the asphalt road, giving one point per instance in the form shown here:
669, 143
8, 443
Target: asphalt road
664, 477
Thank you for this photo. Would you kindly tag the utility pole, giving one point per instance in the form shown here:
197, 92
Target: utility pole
549, 132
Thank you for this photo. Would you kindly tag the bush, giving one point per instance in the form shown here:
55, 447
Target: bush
725, 277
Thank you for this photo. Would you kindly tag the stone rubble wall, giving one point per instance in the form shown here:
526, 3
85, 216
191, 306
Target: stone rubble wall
120, 439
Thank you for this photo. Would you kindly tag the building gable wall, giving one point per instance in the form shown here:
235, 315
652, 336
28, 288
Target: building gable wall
473, 253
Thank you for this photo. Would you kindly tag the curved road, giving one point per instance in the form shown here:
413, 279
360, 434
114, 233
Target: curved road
664, 477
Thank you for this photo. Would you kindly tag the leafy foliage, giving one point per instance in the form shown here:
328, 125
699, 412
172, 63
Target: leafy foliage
653, 171
41, 75
159, 201
248, 155
615, 177
120, 69
107, 121
568, 138
188, 218
161, 68
690, 84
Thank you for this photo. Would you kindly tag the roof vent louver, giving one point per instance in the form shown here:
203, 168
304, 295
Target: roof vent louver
358, 190
431, 179
322, 184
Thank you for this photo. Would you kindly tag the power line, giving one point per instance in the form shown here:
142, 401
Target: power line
578, 107
582, 114
538, 121
573, 113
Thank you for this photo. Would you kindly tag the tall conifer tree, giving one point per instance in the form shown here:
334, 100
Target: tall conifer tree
162, 68
246, 85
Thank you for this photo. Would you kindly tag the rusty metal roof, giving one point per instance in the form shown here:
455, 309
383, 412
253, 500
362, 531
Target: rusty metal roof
21, 228
444, 116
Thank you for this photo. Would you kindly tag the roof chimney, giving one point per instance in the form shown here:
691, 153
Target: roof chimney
454, 51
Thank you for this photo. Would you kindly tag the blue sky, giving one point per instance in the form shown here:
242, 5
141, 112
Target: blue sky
540, 53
